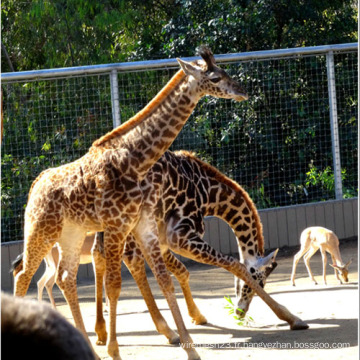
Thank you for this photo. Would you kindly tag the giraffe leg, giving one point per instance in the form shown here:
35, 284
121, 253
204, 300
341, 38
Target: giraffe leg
146, 235
70, 248
193, 247
182, 275
134, 261
114, 241
36, 247
99, 266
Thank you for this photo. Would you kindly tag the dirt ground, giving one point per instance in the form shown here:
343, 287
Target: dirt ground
331, 312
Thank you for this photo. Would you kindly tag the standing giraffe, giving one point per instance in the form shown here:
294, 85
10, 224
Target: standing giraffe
184, 190
102, 192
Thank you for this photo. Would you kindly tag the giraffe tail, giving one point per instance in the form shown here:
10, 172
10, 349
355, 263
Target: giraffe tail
17, 264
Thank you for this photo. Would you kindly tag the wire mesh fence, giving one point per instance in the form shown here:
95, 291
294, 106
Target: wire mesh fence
277, 145
46, 124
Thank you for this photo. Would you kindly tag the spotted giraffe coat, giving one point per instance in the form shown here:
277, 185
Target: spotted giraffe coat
185, 190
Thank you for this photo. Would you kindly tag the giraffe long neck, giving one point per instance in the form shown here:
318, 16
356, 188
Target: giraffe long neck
230, 202
151, 132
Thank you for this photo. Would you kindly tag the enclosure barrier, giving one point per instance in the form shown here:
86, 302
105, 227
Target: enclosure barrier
281, 228
294, 142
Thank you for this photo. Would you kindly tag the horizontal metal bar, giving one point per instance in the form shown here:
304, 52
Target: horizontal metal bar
151, 64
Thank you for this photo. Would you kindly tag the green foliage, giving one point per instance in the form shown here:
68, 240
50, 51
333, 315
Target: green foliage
324, 181
60, 33
234, 26
46, 34
247, 320
266, 144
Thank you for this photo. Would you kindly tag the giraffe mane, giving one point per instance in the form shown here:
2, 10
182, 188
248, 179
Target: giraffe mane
145, 112
236, 187
36, 180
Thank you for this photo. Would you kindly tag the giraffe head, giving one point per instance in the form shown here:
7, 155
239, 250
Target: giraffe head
260, 269
343, 271
211, 79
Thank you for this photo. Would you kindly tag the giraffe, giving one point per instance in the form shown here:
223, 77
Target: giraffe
185, 190
102, 191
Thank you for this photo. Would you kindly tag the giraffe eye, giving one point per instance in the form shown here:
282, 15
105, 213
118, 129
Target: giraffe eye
215, 80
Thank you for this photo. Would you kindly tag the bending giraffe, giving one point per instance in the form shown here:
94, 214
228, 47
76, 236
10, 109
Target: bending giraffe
102, 192
184, 190
198, 175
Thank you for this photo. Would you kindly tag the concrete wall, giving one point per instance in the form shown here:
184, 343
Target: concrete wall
282, 227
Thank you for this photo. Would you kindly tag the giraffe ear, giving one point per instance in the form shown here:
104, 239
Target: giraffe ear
190, 69
266, 261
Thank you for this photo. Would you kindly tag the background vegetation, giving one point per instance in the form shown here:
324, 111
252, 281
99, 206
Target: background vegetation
45, 34
277, 145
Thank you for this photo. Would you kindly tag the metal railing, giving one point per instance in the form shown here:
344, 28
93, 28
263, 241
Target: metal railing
293, 142
153, 64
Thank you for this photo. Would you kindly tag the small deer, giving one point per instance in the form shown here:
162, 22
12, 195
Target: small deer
314, 238
51, 265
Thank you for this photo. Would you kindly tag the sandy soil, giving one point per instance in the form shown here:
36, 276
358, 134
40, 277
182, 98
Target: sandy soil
331, 312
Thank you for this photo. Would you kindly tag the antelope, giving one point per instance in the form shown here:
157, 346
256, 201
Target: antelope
51, 264
314, 238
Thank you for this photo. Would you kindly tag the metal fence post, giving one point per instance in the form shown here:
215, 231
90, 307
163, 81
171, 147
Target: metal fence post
115, 98
335, 143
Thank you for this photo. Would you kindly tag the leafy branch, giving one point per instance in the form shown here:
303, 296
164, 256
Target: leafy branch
246, 320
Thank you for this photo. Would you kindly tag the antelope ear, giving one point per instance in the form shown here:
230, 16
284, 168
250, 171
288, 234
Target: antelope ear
335, 266
190, 69
348, 263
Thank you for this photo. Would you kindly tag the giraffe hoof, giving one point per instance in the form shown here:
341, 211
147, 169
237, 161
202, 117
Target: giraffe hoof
100, 342
299, 325
194, 356
175, 340
200, 320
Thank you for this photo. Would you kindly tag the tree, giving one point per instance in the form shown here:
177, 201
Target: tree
45, 34
270, 144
